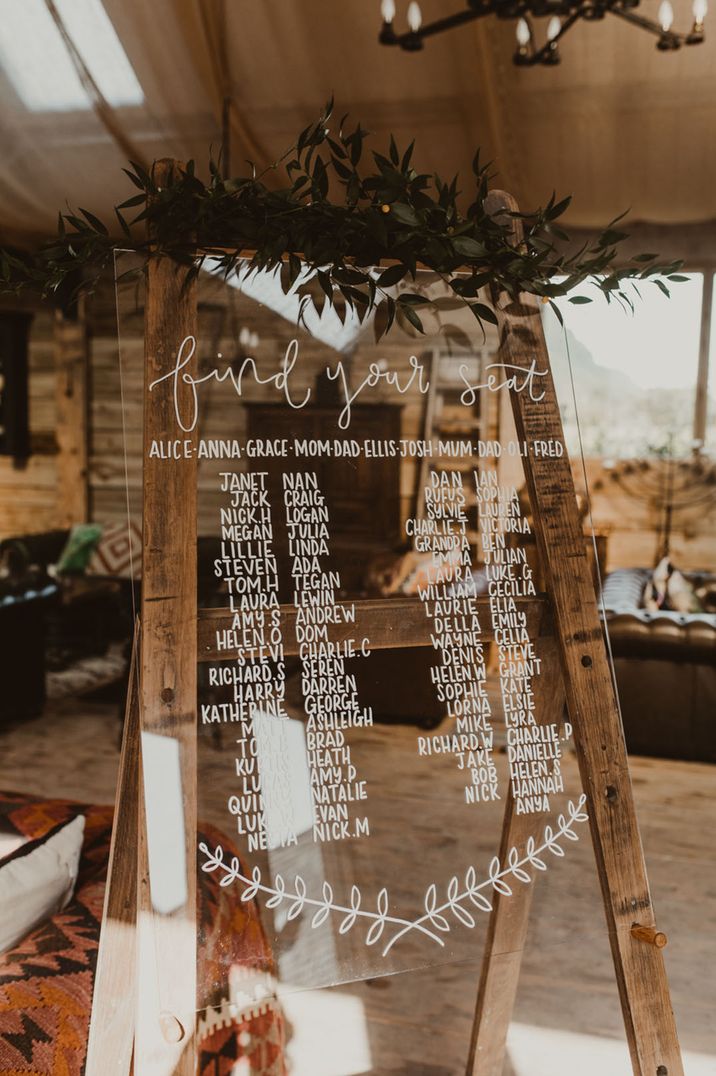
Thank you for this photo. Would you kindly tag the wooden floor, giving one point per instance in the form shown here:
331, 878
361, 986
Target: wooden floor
567, 1018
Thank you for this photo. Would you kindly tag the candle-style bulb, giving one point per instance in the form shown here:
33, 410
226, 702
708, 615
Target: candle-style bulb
666, 16
523, 34
700, 10
415, 16
387, 10
553, 28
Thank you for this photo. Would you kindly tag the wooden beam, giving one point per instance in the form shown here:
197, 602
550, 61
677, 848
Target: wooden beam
591, 696
509, 918
111, 1033
71, 365
168, 686
701, 404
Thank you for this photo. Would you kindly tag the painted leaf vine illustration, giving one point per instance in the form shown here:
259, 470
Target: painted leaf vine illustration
460, 897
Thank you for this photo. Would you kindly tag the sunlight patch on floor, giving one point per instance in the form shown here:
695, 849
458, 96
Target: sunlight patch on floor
543, 1051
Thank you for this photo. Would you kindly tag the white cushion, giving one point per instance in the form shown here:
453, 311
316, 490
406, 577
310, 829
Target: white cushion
38, 880
10, 842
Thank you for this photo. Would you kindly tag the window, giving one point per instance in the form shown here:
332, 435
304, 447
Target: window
37, 62
635, 375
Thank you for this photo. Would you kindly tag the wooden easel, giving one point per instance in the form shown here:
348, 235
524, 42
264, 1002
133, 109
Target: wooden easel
162, 700
599, 742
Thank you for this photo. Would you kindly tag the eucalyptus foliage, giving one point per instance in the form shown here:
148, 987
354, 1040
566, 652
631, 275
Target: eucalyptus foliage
334, 219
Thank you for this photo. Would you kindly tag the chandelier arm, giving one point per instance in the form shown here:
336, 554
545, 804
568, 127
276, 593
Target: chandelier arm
412, 38
647, 24
540, 55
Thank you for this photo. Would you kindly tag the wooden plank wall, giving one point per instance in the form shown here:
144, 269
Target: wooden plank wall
27, 492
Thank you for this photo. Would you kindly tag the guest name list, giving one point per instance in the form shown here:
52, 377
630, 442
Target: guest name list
248, 568
255, 677
533, 749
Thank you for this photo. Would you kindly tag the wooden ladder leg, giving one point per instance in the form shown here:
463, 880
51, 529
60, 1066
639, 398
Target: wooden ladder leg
589, 687
507, 929
111, 1034
167, 927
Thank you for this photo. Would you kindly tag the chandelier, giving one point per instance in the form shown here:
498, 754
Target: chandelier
562, 15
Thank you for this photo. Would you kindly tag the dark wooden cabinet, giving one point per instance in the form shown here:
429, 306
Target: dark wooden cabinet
363, 494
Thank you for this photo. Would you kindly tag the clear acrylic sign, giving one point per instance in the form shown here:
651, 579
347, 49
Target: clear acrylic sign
372, 680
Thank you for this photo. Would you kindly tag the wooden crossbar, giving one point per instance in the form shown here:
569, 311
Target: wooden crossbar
387, 622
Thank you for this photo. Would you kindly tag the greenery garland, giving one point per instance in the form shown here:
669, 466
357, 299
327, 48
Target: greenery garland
392, 213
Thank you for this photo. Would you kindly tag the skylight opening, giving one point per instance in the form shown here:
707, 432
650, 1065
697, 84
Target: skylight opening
36, 61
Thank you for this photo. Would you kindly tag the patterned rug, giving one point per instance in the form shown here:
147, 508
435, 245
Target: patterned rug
46, 981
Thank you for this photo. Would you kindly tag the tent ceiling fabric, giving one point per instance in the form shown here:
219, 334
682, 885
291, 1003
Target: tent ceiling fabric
618, 124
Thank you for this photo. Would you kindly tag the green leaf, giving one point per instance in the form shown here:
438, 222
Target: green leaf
616, 220
294, 269
404, 213
347, 275
302, 307
557, 312
469, 247
392, 309
412, 300
558, 209
380, 322
146, 180
135, 180
123, 224
611, 237
579, 300
342, 169
392, 275
484, 313
468, 287
324, 280
137, 199
405, 163
337, 149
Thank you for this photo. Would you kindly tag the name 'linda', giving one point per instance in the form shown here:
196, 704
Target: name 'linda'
186, 403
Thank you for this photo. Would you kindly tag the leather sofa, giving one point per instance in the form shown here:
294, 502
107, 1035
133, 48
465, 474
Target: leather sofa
665, 665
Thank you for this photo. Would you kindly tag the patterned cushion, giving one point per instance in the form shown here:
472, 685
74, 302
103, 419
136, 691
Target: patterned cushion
118, 552
46, 981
